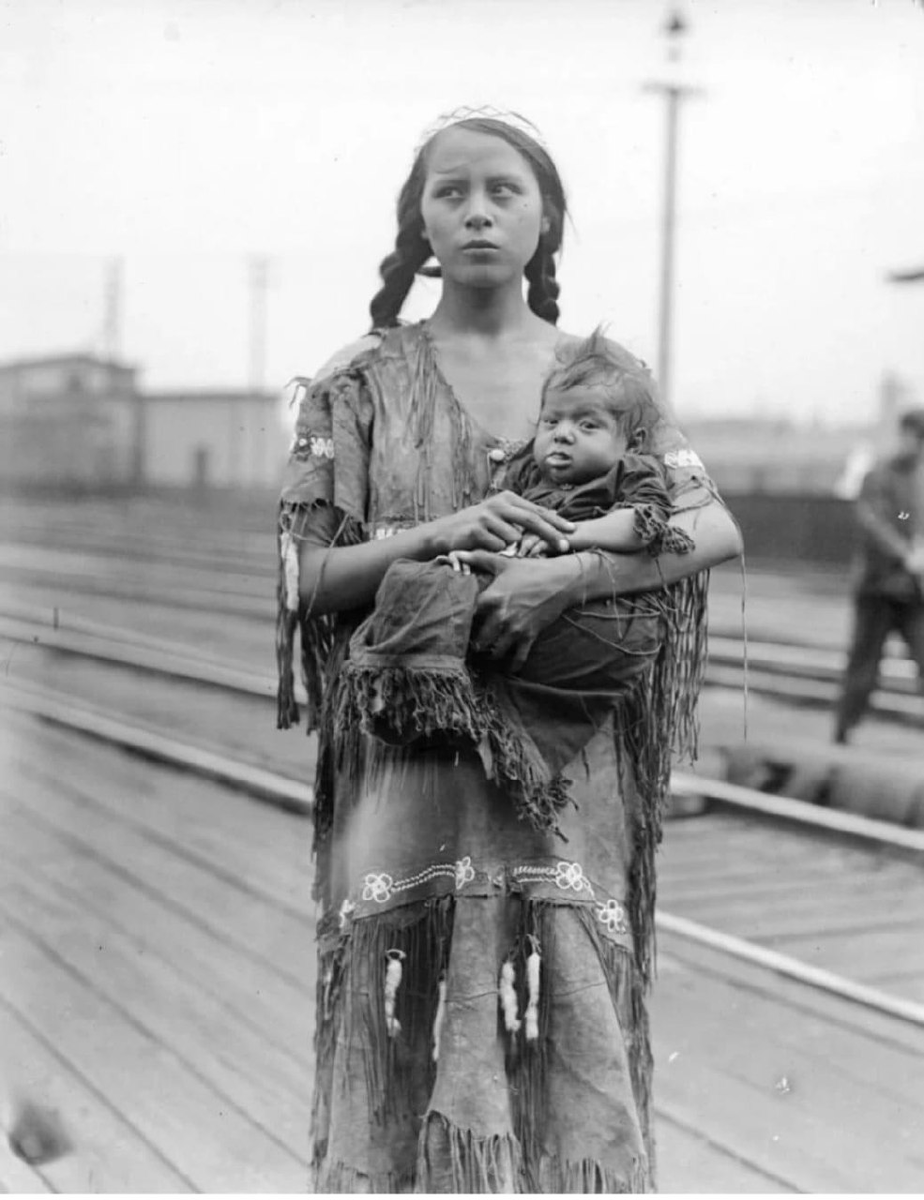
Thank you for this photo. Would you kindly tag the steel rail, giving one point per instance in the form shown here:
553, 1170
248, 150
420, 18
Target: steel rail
721, 672
792, 968
108, 643
784, 808
268, 785
297, 797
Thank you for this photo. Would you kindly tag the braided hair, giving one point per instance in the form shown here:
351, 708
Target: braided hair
412, 248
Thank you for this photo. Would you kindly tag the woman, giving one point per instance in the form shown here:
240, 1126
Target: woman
481, 1023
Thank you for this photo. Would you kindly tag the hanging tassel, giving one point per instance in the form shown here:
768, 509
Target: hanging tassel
508, 997
531, 1016
393, 973
289, 552
440, 1017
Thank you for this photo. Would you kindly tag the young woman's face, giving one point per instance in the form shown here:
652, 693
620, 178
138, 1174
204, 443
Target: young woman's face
481, 208
578, 437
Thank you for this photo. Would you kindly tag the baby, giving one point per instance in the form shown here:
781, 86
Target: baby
412, 672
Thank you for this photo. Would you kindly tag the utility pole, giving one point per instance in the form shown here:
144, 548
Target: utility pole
673, 91
259, 282
112, 310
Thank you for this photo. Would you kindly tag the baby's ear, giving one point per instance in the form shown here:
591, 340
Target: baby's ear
637, 441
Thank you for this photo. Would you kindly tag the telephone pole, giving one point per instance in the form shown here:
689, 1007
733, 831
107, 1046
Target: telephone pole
112, 310
259, 283
673, 92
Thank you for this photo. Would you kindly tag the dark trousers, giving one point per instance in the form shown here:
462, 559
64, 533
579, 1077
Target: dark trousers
875, 617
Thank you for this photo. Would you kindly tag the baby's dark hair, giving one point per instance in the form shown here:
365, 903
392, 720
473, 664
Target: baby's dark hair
412, 250
625, 382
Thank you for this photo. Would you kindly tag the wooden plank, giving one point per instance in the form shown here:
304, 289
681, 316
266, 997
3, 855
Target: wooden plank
766, 923
871, 960
271, 936
222, 720
891, 1041
153, 743
825, 1066
786, 965
106, 1153
720, 1072
688, 1163
203, 1134
799, 911
232, 976
835, 821
909, 986
719, 891
228, 1054
781, 848
224, 826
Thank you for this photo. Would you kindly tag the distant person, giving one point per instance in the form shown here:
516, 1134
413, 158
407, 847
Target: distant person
890, 587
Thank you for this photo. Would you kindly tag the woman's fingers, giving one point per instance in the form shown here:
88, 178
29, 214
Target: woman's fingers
485, 561
458, 564
541, 524
546, 514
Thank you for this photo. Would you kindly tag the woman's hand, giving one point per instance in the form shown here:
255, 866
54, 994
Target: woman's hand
525, 597
534, 547
497, 522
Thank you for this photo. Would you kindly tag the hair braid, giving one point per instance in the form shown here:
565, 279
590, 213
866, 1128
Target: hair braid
410, 253
542, 296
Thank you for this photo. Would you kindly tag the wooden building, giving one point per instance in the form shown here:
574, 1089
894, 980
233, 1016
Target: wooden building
69, 420
78, 421
212, 438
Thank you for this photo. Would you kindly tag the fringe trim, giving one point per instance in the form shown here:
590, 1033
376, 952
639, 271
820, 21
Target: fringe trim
476, 1165
511, 760
324, 641
657, 722
350, 999
423, 934
338, 1178
401, 703
397, 705
526, 1062
319, 635
588, 1177
657, 535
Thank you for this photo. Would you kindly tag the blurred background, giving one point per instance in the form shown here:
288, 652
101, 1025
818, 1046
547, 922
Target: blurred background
195, 196
202, 192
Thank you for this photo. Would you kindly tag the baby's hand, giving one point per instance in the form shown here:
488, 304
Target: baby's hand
456, 560
531, 546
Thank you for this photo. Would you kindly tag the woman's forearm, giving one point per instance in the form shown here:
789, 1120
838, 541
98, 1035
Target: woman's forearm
593, 575
338, 578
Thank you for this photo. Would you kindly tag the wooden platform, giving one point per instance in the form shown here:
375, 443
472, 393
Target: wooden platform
157, 992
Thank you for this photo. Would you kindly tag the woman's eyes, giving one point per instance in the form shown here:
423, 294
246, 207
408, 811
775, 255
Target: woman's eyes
454, 191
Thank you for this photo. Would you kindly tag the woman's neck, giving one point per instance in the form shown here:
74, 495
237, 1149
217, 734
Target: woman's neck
484, 312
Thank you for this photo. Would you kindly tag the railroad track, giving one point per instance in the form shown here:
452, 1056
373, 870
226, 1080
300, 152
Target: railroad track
805, 893
796, 674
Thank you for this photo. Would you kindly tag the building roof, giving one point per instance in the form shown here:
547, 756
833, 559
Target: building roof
57, 360
191, 395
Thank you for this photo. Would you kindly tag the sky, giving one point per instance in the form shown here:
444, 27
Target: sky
182, 138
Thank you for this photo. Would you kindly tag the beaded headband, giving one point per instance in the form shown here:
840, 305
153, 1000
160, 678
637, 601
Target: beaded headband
507, 116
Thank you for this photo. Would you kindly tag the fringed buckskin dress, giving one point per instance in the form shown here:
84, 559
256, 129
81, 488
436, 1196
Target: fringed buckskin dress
481, 1021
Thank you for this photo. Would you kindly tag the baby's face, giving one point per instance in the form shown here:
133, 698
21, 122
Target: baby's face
578, 436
